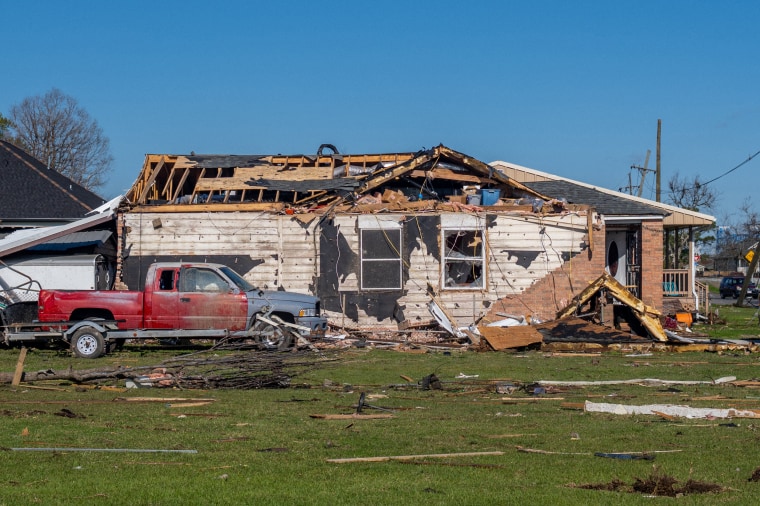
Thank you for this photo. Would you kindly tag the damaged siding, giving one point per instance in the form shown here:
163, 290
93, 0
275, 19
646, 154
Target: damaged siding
519, 251
271, 251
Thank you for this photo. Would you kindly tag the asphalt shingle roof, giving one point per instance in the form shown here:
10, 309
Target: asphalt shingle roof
29, 190
605, 203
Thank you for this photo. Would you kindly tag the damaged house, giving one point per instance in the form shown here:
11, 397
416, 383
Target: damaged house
377, 237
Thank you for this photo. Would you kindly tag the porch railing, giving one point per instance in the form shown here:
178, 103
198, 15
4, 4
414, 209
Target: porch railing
675, 283
703, 292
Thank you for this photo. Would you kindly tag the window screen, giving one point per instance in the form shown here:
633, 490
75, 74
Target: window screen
381, 259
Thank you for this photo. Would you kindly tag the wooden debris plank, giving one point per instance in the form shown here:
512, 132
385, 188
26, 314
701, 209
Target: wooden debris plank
187, 404
353, 416
161, 399
531, 399
205, 208
412, 457
519, 336
19, 367
410, 324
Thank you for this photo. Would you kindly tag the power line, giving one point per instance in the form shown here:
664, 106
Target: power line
730, 171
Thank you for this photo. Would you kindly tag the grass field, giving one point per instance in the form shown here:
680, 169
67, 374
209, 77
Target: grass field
263, 447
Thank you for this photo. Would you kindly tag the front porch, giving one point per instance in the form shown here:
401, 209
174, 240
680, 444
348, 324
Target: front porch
681, 291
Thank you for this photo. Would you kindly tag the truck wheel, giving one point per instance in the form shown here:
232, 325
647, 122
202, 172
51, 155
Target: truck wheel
271, 337
88, 343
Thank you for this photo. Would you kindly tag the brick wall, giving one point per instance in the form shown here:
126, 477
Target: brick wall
554, 291
651, 263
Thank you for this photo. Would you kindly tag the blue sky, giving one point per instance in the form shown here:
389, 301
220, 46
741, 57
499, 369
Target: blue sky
573, 88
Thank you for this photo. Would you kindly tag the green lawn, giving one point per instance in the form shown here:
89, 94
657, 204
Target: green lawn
262, 447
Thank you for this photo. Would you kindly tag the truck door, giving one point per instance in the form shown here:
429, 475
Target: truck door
162, 300
207, 301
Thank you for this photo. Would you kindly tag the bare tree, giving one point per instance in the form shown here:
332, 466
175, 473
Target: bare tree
5, 127
56, 130
690, 194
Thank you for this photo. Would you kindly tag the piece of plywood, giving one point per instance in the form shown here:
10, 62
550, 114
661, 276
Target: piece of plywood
501, 338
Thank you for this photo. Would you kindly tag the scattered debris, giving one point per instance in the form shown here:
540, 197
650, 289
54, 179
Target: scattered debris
67, 413
625, 456
108, 450
657, 484
352, 416
649, 382
412, 457
516, 336
670, 410
19, 367
362, 404
597, 454
202, 370
431, 382
647, 316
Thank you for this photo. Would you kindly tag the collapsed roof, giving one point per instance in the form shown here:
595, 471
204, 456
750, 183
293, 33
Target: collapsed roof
260, 181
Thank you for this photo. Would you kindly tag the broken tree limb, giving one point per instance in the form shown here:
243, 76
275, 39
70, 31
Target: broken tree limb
205, 370
412, 457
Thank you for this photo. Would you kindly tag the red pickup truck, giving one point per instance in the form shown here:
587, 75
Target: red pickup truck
180, 300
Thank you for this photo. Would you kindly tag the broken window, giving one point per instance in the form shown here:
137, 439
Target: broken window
463, 258
381, 255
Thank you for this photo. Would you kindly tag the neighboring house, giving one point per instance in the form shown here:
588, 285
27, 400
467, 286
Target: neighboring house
35, 196
379, 236
45, 214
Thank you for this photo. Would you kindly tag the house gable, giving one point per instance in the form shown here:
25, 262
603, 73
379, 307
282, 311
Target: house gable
32, 192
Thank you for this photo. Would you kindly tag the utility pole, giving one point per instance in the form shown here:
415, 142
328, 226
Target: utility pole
750, 272
659, 173
643, 173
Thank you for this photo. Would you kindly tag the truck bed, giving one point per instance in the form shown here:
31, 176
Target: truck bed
126, 306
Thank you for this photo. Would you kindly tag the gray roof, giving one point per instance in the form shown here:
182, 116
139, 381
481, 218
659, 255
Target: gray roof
31, 191
604, 202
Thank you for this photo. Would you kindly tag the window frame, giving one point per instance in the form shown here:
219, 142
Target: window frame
463, 224
388, 225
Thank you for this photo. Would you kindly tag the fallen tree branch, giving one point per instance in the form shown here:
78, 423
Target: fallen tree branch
208, 370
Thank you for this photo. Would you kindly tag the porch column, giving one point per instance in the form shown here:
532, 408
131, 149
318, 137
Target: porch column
692, 265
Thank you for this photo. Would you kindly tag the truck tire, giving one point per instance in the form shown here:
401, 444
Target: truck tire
271, 337
87, 342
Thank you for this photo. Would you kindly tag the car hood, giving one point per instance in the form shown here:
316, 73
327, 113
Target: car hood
278, 296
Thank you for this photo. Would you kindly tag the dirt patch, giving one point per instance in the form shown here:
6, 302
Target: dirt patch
657, 484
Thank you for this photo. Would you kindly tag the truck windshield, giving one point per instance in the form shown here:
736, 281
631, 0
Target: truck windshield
237, 279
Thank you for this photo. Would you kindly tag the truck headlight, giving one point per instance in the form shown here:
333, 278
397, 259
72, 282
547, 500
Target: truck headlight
307, 312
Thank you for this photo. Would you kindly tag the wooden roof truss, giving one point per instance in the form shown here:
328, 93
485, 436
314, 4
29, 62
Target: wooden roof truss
300, 180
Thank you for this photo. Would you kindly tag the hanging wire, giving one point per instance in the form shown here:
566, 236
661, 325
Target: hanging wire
730, 171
